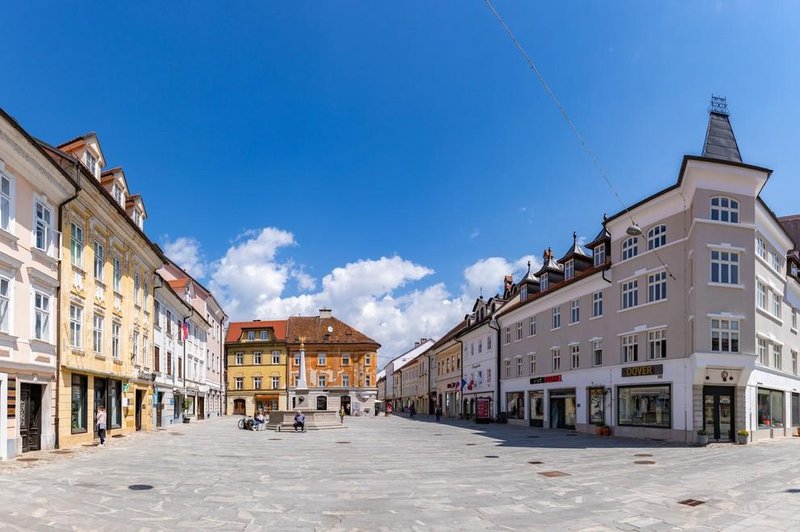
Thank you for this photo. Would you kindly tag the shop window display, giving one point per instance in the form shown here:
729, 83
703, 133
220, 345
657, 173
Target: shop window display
770, 408
537, 408
515, 402
648, 406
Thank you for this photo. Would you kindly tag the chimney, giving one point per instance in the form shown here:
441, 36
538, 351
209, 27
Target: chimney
508, 281
325, 313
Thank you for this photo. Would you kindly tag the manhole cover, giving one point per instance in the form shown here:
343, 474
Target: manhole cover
27, 459
140, 487
644, 462
491, 456
342, 442
691, 502
643, 455
62, 451
118, 436
553, 474
535, 462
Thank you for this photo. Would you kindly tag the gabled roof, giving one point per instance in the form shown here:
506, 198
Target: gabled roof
236, 328
318, 330
133, 200
576, 250
603, 236
549, 264
452, 333
403, 359
720, 141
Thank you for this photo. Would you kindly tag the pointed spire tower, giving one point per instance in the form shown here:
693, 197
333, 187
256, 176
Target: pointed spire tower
720, 142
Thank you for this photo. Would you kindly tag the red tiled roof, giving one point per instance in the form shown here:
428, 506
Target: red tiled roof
235, 329
316, 330
179, 284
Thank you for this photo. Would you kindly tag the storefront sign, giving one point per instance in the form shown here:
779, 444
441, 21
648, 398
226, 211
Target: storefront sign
545, 380
482, 408
643, 371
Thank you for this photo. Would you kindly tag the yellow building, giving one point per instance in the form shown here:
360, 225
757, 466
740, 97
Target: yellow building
106, 300
256, 364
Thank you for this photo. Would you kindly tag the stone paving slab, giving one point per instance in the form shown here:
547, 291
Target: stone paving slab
397, 473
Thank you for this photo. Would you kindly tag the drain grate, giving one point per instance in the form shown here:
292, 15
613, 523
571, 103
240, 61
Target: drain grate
643, 455
437, 434
554, 474
62, 451
140, 487
275, 439
27, 459
491, 456
342, 442
691, 502
471, 444
535, 462
644, 462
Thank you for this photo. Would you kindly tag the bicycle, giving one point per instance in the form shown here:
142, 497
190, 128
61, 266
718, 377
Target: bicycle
246, 423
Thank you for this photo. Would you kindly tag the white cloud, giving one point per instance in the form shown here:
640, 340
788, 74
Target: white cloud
187, 253
474, 234
386, 298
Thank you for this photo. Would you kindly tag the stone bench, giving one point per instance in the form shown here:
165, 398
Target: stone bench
283, 420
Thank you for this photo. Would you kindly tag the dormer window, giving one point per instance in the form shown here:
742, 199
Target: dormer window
569, 269
600, 255
523, 293
544, 281
725, 209
116, 190
91, 162
137, 218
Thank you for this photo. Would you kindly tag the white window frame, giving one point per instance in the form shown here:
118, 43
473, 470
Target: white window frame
630, 248
597, 352
569, 269
597, 304
776, 304
556, 318
575, 356
657, 287
724, 209
43, 224
264, 336
630, 294
794, 361
322, 359
322, 380
7, 299
276, 357
761, 248
657, 237
135, 349
532, 363
574, 311
275, 382
116, 346
531, 327
76, 326
97, 333
238, 383
76, 245
657, 344
46, 314
239, 358
762, 349
117, 281
762, 296
7, 200
99, 260
630, 348
600, 254
544, 282
777, 356
256, 357
136, 286
724, 263
556, 352
727, 332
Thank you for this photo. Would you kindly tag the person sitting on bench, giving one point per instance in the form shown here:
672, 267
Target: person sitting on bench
299, 421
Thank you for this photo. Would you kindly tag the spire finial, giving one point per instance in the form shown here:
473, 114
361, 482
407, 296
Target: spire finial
574, 238
481, 288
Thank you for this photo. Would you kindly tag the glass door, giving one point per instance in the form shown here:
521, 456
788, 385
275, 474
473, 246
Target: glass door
718, 413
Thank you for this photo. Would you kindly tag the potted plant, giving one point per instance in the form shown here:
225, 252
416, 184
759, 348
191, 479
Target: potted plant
702, 437
598, 428
186, 404
741, 437
606, 430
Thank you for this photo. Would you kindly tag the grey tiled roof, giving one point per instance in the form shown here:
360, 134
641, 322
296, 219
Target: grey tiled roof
720, 142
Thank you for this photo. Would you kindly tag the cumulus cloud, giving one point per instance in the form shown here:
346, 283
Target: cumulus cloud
187, 253
390, 299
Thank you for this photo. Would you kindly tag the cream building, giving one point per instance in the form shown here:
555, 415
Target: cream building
32, 191
106, 299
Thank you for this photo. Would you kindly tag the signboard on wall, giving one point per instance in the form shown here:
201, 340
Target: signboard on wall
545, 380
12, 397
643, 371
482, 410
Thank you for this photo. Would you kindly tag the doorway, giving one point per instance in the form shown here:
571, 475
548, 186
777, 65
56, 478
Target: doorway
562, 410
139, 402
201, 407
346, 404
159, 408
239, 407
322, 402
30, 416
718, 412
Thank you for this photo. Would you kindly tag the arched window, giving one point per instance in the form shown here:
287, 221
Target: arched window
657, 237
725, 209
630, 248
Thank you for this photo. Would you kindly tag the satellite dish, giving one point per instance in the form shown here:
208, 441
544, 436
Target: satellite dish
330, 328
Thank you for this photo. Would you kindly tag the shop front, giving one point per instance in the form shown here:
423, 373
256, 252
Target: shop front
597, 405
645, 405
563, 410
718, 412
267, 402
536, 402
515, 407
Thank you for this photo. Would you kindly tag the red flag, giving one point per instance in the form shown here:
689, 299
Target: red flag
185, 330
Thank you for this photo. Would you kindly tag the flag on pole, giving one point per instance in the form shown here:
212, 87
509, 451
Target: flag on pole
463, 384
185, 330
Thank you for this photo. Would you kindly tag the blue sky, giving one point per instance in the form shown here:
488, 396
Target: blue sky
412, 131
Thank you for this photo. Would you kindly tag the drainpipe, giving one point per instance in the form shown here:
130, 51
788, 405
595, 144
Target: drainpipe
461, 378
497, 343
58, 310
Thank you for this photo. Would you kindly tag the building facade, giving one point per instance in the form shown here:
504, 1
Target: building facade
341, 365
680, 316
393, 373
256, 358
32, 190
446, 356
106, 300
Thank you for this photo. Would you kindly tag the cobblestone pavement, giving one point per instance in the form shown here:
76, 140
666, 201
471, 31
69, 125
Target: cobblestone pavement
400, 474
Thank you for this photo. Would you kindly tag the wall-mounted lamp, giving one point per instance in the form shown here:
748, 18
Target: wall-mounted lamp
634, 230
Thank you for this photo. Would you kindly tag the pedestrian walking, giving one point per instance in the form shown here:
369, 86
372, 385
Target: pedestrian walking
438, 413
341, 415
412, 410
100, 421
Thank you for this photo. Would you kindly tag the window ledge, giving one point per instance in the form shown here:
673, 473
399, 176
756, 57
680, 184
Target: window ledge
8, 236
642, 305
41, 343
44, 256
8, 337
767, 314
117, 361
726, 285
573, 323
77, 351
595, 317
98, 356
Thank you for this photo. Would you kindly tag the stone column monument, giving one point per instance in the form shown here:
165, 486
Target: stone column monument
301, 388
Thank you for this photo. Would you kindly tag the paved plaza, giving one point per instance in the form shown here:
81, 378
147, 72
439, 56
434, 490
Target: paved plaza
400, 474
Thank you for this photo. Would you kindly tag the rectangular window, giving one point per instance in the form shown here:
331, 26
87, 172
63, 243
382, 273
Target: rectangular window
761, 295
630, 248
97, 334
99, 261
169, 363
257, 357
136, 285
276, 357
556, 317
5, 203
777, 356
76, 245
574, 311
777, 302
630, 294
597, 352
76, 326
761, 248
597, 304
79, 407
489, 339
136, 360
41, 326
180, 367
794, 362
770, 409
117, 275
794, 319
368, 359
5, 304
508, 335
569, 269
322, 359
630, 348
169, 323
239, 358
264, 336
156, 358
480, 346
724, 267
345, 359
656, 286
276, 383
256, 383
515, 404
544, 282
556, 359
532, 363
763, 355
657, 344
42, 223
725, 336
600, 255
508, 368
251, 336
519, 366
575, 355
519, 330
531, 328
297, 359
725, 210
115, 334
367, 380
648, 406
775, 262
321, 380
239, 383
